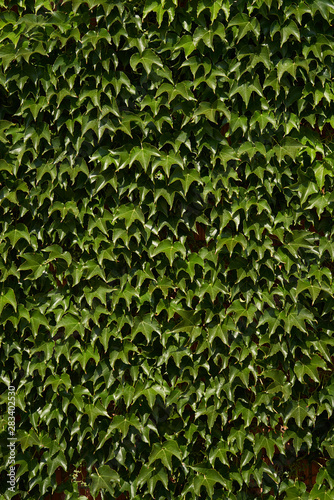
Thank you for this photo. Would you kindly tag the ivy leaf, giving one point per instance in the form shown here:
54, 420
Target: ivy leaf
146, 326
320, 173
297, 411
105, 479
238, 122
245, 24
55, 381
314, 290
299, 239
160, 475
169, 249
77, 399
310, 368
165, 452
58, 461
94, 411
210, 110
34, 263
208, 478
289, 147
143, 155
240, 310
289, 30
56, 252
183, 89
245, 90
187, 44
167, 162
148, 58
325, 7
130, 214
144, 474
20, 231
286, 65
7, 296
85, 356
297, 318
230, 242
71, 324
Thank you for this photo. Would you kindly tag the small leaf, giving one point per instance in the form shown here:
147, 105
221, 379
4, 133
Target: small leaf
148, 58
165, 452
7, 296
169, 249
105, 479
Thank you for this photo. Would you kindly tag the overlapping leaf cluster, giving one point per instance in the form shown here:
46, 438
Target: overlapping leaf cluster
166, 180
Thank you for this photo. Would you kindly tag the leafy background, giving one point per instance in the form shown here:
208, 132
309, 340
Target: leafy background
166, 198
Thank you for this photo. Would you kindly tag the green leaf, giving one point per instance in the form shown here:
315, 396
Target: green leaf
167, 162
83, 357
169, 249
94, 411
58, 461
245, 24
70, 324
289, 30
208, 478
289, 147
240, 310
146, 326
105, 479
325, 7
55, 381
264, 442
77, 399
238, 122
148, 58
310, 368
160, 475
298, 411
56, 252
246, 90
296, 318
143, 155
298, 240
230, 242
34, 263
320, 172
183, 89
130, 214
165, 452
143, 476
286, 65
7, 296
210, 110
187, 44
20, 231
314, 290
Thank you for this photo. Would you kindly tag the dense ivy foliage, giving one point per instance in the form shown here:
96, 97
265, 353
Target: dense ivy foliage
166, 178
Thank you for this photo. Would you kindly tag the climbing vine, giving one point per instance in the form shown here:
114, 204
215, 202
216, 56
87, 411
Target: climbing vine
166, 248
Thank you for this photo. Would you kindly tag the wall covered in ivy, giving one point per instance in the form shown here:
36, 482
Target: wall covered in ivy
166, 249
